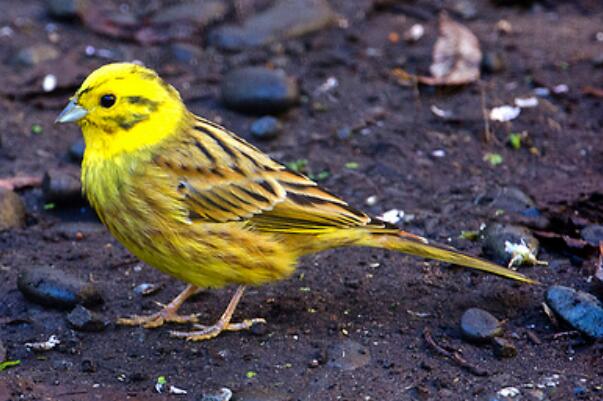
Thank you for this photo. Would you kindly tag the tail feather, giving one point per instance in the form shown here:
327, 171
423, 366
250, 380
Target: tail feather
412, 244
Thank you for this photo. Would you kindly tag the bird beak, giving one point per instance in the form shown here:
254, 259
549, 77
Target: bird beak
71, 113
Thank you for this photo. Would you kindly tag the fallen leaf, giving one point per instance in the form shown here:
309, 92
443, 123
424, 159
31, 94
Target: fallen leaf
592, 91
20, 181
456, 55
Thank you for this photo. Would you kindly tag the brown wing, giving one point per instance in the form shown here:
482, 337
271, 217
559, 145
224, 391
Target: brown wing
220, 178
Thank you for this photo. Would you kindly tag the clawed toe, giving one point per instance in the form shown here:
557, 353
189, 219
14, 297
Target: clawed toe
208, 332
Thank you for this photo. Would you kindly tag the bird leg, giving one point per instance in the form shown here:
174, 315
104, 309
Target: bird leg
166, 315
223, 324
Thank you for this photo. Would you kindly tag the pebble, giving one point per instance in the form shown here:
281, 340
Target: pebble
64, 9
185, 53
12, 210
493, 62
62, 186
581, 310
146, 289
495, 235
36, 54
285, 19
503, 348
348, 355
266, 127
260, 394
223, 394
259, 90
465, 8
592, 234
82, 319
88, 366
509, 199
479, 325
76, 150
52, 287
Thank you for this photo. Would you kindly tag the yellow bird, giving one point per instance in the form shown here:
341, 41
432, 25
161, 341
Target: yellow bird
192, 199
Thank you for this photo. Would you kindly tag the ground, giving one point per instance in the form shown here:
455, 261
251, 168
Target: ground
381, 300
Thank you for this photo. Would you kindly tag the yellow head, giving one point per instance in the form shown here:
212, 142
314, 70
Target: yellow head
123, 107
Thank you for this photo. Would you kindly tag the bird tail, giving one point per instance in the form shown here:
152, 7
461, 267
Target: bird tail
404, 242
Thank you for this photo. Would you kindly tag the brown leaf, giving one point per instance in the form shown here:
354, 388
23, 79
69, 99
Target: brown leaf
456, 55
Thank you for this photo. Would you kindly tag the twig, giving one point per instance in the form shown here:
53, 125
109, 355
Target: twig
20, 181
487, 132
533, 337
454, 355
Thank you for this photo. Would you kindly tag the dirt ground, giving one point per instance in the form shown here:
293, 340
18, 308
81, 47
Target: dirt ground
380, 300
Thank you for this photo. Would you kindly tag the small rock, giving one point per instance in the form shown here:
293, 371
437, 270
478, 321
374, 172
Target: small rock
260, 394
465, 8
51, 287
285, 19
185, 53
64, 9
503, 348
259, 90
493, 62
88, 366
592, 234
348, 355
479, 326
581, 310
82, 319
76, 151
509, 199
36, 54
62, 186
12, 210
496, 235
146, 289
266, 128
224, 394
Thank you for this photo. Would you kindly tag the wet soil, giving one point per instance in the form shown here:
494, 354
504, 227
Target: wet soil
381, 300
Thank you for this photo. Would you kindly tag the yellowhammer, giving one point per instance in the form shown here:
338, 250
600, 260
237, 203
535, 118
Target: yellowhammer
197, 202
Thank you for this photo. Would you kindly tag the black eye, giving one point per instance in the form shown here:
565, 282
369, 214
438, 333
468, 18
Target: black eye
107, 101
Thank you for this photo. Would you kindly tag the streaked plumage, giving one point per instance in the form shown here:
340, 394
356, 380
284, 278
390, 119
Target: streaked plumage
195, 201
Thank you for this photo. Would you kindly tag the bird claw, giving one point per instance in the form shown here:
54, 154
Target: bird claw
208, 332
158, 319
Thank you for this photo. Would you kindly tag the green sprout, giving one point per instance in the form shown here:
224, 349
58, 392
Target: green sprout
7, 364
514, 140
493, 158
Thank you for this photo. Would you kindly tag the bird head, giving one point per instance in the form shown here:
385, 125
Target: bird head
123, 106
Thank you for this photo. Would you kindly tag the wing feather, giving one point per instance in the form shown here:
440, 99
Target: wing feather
219, 177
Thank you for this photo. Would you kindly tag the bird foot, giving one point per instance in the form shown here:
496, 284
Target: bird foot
158, 319
209, 332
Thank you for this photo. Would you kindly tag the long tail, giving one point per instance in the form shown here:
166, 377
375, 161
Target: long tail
402, 241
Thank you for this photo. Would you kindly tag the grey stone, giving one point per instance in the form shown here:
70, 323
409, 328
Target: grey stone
259, 90
479, 325
82, 319
581, 310
55, 288
285, 19
62, 185
266, 127
593, 234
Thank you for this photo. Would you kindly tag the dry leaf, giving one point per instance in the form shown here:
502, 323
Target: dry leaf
456, 55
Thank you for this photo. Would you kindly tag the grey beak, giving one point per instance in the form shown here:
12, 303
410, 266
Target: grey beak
71, 113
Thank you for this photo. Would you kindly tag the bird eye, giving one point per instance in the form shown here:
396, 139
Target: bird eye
107, 101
